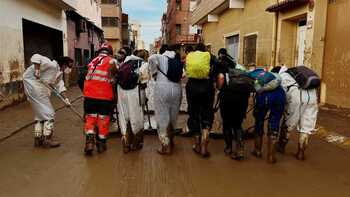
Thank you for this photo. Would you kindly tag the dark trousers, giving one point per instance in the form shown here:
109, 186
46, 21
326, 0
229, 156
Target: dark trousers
233, 111
273, 102
200, 94
97, 106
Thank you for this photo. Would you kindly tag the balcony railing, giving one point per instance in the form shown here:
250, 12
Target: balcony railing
188, 39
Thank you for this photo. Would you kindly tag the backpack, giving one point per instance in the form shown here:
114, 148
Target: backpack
239, 81
175, 70
128, 76
305, 77
198, 65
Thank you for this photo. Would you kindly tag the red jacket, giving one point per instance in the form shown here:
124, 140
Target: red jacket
98, 81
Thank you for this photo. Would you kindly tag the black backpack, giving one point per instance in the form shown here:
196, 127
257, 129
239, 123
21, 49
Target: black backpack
175, 70
239, 81
128, 76
305, 77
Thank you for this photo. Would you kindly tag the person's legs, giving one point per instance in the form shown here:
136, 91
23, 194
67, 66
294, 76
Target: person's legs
227, 129
90, 125
260, 111
206, 112
307, 126
103, 124
276, 102
193, 113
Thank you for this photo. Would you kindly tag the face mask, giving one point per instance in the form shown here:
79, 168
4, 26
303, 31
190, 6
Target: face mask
67, 70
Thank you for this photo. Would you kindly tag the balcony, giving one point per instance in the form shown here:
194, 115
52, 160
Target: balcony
187, 39
208, 10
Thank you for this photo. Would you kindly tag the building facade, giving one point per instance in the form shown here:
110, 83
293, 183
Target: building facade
135, 36
177, 27
28, 27
243, 27
111, 22
125, 30
84, 34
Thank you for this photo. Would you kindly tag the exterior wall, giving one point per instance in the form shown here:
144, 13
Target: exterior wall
251, 20
125, 30
314, 41
337, 55
11, 40
182, 17
91, 10
113, 35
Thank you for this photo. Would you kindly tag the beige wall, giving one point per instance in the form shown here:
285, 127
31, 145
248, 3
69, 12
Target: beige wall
113, 34
251, 20
336, 68
90, 10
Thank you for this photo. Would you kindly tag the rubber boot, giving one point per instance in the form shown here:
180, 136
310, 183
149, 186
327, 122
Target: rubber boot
89, 144
239, 153
204, 143
38, 134
271, 150
197, 144
101, 144
258, 141
282, 140
126, 143
171, 136
302, 145
48, 142
228, 142
137, 143
127, 139
164, 150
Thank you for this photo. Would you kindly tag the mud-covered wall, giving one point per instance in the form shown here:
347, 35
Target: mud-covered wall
11, 41
336, 69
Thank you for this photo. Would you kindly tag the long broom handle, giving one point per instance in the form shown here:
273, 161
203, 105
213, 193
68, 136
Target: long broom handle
63, 100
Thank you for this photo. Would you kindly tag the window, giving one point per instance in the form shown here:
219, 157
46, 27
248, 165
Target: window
86, 57
178, 4
110, 21
178, 29
232, 45
249, 51
78, 57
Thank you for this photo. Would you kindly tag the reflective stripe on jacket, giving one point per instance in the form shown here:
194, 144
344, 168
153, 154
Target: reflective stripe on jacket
98, 81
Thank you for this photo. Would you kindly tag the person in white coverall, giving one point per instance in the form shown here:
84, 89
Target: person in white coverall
44, 71
130, 108
302, 110
167, 98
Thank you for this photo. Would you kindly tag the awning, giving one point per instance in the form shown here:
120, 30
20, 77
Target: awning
286, 5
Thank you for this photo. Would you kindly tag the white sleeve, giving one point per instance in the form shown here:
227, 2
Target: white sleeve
60, 86
153, 62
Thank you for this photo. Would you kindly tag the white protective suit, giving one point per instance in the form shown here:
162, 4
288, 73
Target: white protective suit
167, 95
130, 104
38, 94
302, 105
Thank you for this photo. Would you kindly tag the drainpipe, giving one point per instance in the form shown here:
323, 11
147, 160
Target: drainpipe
275, 38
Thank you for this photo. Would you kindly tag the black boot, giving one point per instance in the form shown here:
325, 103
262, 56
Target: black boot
258, 141
282, 140
205, 143
239, 153
197, 144
89, 144
228, 141
137, 142
101, 144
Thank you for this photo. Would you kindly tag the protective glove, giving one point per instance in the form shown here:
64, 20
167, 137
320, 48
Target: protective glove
37, 74
67, 101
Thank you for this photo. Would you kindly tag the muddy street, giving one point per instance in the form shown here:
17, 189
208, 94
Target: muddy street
67, 172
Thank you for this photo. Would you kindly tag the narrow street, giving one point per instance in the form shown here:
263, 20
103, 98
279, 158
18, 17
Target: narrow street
67, 172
